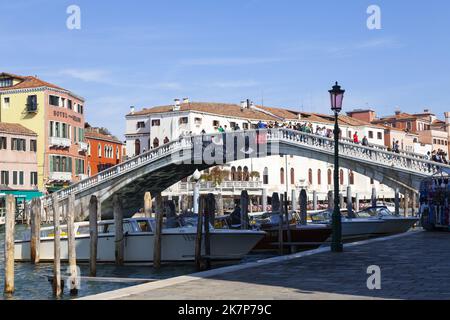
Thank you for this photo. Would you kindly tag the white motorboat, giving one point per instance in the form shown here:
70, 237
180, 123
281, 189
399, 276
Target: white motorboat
177, 244
371, 222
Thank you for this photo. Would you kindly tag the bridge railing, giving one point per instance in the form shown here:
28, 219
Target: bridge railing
407, 161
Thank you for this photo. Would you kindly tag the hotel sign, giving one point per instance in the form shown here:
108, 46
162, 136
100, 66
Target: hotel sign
62, 114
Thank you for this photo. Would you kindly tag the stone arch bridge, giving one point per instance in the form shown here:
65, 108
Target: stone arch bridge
158, 169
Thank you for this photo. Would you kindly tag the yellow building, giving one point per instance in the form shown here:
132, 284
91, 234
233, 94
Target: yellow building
57, 116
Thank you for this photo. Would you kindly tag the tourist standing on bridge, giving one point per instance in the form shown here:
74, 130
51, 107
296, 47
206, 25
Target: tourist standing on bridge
355, 138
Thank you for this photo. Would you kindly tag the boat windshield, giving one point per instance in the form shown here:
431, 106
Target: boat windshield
374, 212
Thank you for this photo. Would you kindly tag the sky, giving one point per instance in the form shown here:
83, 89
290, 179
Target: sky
280, 53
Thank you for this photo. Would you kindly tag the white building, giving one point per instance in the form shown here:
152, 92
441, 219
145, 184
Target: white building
155, 126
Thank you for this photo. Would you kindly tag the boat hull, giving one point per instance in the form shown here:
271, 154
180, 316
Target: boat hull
376, 227
316, 235
139, 247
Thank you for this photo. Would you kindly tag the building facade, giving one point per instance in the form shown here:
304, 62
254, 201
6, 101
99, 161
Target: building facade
104, 150
18, 163
274, 173
57, 117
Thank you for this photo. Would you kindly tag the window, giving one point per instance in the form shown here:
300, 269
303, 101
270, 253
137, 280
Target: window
33, 145
282, 176
6, 82
140, 125
349, 134
292, 176
246, 174
319, 177
341, 177
239, 174
233, 174
3, 143
53, 100
266, 176
15, 178
4, 178
32, 103
434, 141
166, 140
6, 102
117, 153
156, 123
245, 126
216, 124
69, 104
33, 178
351, 177
310, 176
60, 164
88, 149
330, 177
379, 136
372, 181
106, 152
79, 108
198, 121
183, 120
370, 134
21, 182
79, 166
137, 147
99, 150
18, 144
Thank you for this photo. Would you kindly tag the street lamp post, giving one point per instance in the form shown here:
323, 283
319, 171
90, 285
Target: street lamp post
337, 96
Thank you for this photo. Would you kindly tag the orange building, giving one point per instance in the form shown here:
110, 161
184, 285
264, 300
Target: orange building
104, 150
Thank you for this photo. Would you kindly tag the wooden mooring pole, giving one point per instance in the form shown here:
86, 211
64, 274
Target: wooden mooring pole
148, 205
118, 222
93, 232
303, 207
57, 288
244, 209
199, 236
210, 208
280, 226
287, 221
9, 243
35, 230
158, 232
73, 285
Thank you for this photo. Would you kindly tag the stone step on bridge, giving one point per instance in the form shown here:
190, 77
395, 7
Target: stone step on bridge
159, 168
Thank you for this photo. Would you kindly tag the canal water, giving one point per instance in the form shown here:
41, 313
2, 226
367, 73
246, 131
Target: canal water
31, 282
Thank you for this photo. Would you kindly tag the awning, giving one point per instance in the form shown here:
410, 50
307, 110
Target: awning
28, 195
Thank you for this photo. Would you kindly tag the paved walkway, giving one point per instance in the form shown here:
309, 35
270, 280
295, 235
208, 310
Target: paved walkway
413, 266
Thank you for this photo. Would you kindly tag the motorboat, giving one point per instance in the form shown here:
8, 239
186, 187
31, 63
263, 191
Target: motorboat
177, 241
371, 222
306, 237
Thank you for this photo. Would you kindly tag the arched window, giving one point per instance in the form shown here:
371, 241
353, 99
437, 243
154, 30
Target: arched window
166, 140
89, 149
89, 171
319, 177
137, 147
117, 153
351, 177
292, 176
99, 150
246, 176
239, 173
282, 176
233, 174
266, 176
155, 143
106, 152
310, 176
330, 177
341, 177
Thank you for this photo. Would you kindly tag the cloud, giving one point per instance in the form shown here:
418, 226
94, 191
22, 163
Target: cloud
378, 43
87, 75
227, 61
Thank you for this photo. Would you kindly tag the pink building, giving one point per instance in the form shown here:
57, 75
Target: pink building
18, 163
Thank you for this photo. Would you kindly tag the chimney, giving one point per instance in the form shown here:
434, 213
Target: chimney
132, 109
397, 111
248, 103
447, 118
185, 100
252, 105
426, 111
243, 104
176, 106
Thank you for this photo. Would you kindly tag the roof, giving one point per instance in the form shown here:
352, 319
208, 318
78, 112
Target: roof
30, 82
223, 109
15, 128
399, 116
93, 133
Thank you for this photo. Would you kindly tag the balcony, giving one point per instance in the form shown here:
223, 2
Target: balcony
60, 142
82, 146
226, 185
61, 176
